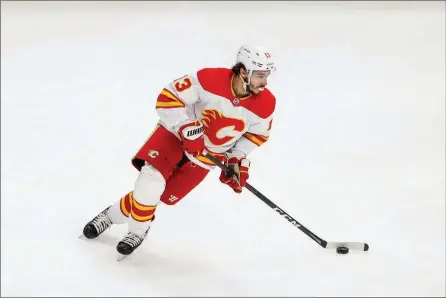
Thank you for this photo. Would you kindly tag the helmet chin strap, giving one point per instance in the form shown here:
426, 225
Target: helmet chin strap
246, 84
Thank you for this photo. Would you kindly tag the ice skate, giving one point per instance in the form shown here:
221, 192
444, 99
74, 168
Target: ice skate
129, 244
97, 225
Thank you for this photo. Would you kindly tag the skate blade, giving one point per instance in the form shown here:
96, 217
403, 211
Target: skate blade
121, 257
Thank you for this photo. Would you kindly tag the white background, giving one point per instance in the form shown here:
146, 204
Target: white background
356, 151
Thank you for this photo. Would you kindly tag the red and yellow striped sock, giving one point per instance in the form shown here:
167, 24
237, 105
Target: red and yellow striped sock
126, 204
140, 212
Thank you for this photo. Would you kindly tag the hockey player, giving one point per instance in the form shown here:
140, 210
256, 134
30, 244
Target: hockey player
223, 112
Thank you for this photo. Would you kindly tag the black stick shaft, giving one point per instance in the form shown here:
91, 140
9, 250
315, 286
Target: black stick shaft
273, 206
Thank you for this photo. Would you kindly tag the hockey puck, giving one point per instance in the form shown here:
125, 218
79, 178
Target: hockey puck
342, 250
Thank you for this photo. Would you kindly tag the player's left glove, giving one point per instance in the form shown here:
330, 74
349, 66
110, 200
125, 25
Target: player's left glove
240, 169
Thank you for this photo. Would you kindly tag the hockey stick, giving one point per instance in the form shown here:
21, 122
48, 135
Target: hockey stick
351, 245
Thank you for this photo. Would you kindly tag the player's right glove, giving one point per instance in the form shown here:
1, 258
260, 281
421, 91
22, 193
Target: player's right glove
240, 173
192, 137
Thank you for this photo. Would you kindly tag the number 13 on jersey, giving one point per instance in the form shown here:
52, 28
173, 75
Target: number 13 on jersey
182, 84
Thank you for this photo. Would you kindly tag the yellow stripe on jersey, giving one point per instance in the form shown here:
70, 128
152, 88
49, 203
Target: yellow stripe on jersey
256, 139
167, 99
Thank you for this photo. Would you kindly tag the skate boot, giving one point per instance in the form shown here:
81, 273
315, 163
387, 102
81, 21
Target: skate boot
98, 225
130, 242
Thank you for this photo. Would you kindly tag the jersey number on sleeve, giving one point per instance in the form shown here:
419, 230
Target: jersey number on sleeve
182, 84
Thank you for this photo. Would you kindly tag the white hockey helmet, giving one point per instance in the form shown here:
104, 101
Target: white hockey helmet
255, 58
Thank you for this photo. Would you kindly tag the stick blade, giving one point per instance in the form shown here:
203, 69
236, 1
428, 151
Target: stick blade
361, 246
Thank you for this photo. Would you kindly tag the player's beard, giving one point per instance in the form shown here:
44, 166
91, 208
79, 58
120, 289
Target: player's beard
250, 89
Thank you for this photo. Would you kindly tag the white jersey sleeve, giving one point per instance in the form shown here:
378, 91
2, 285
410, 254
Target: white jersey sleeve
175, 103
256, 136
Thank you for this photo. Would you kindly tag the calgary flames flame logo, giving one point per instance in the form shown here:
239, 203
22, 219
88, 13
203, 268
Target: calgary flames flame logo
220, 129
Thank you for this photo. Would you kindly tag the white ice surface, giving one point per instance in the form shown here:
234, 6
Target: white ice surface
357, 151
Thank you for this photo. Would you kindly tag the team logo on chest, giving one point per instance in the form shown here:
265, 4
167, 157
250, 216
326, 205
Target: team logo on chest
236, 101
221, 129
